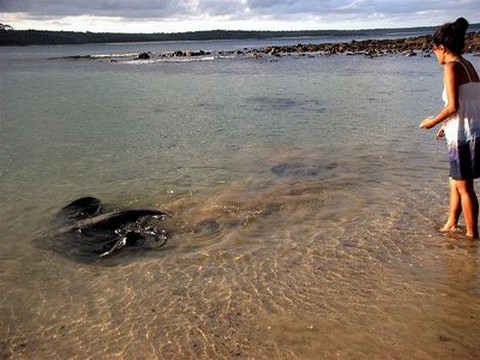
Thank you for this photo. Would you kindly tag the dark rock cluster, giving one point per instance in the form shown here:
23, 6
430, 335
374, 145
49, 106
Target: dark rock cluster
372, 48
421, 45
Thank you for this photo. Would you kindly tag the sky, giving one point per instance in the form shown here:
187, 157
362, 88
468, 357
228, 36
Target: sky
167, 16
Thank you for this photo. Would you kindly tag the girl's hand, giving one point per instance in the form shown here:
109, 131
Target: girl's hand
427, 123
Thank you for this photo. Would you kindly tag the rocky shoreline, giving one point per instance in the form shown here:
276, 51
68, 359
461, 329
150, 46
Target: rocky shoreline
421, 45
413, 46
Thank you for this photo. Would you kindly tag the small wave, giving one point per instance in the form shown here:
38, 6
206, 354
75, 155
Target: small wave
190, 59
107, 56
169, 60
227, 56
99, 56
140, 62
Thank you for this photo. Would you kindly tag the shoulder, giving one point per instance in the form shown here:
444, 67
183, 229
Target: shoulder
451, 70
455, 71
471, 70
452, 67
460, 71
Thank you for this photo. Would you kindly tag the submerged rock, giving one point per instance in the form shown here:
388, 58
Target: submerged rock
298, 169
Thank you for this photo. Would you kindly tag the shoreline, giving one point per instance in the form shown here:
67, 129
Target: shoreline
372, 48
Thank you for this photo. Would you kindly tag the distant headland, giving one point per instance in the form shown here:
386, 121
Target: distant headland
12, 37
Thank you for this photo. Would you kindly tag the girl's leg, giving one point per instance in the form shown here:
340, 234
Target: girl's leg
455, 208
469, 204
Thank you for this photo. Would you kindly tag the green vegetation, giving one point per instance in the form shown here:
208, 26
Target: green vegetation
10, 37
39, 37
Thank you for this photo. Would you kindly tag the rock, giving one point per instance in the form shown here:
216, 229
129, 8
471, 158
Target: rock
409, 47
143, 56
196, 53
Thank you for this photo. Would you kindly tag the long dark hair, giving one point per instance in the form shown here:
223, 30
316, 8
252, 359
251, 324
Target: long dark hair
452, 36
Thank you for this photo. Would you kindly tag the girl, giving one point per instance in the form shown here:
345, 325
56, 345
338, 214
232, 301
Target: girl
460, 120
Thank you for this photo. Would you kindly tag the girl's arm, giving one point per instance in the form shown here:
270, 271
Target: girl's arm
450, 81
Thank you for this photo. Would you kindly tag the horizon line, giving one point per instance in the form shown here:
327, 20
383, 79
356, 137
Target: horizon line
238, 30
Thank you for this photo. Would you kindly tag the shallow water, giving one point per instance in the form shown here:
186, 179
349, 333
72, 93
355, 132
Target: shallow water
304, 199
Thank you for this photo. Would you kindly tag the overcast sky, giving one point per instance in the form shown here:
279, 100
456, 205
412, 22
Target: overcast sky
193, 15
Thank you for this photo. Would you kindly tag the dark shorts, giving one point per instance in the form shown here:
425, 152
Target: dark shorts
465, 160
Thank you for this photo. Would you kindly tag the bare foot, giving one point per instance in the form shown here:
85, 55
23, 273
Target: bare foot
448, 227
472, 236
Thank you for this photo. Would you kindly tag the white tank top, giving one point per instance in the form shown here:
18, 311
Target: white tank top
464, 125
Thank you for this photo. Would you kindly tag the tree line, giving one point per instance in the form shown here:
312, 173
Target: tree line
11, 37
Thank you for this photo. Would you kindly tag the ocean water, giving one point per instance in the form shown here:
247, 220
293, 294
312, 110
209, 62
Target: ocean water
304, 201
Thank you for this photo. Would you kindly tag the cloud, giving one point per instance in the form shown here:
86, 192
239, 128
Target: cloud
122, 8
234, 8
264, 14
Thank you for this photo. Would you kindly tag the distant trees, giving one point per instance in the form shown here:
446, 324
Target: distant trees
9, 36
5, 27
43, 37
